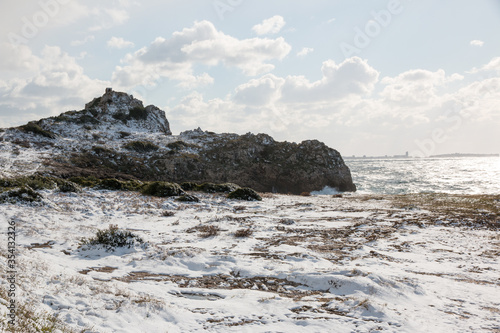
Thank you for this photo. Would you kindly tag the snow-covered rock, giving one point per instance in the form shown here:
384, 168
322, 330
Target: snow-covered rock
116, 136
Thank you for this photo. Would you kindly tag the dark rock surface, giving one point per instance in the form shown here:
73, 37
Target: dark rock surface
116, 137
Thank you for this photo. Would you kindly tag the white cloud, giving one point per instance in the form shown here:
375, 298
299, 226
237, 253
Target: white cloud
415, 87
214, 115
56, 85
477, 43
119, 43
492, 66
259, 92
83, 41
351, 109
305, 51
270, 26
352, 77
176, 56
109, 17
17, 59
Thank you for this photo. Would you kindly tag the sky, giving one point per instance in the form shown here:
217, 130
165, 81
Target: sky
366, 77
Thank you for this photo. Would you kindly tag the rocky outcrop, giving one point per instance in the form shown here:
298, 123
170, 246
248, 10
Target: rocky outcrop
112, 112
260, 162
115, 136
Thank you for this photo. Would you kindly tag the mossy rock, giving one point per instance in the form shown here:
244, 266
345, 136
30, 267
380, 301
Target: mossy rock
132, 185
162, 189
188, 198
85, 181
218, 188
141, 146
68, 186
36, 129
22, 194
120, 185
35, 182
244, 194
111, 184
190, 186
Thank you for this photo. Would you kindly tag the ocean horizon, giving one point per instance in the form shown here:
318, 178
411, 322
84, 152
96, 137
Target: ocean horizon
454, 175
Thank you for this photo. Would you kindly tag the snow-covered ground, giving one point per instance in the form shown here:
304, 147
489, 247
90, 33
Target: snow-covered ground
308, 264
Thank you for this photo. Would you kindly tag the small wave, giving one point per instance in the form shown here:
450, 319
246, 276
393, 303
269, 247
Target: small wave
327, 190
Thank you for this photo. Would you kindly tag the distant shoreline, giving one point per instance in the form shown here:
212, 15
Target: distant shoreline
414, 157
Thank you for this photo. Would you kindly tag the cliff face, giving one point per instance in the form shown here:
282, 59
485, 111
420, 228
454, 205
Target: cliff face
116, 136
266, 165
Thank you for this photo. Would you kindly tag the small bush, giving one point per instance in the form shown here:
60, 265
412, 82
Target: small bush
95, 102
112, 238
177, 145
243, 233
188, 198
22, 194
244, 194
99, 150
305, 194
60, 118
138, 113
121, 116
141, 146
162, 189
86, 119
36, 129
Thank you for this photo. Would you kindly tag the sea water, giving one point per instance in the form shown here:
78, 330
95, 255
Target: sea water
459, 175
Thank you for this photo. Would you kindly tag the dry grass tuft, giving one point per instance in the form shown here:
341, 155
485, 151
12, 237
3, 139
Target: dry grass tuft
29, 319
208, 230
241, 233
167, 213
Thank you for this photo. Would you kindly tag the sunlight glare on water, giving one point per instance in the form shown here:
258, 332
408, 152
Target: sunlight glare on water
473, 175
